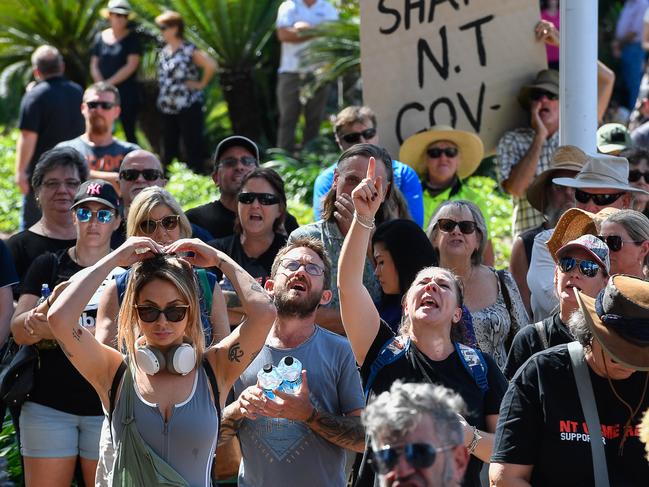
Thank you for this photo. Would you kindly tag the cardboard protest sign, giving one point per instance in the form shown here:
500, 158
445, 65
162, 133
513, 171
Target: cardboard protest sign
453, 62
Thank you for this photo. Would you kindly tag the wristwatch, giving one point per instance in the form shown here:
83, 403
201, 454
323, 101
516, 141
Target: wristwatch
474, 441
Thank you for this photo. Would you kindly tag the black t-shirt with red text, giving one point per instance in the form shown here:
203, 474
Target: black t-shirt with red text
542, 424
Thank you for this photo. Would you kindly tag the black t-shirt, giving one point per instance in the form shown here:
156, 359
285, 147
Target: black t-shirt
219, 221
414, 366
113, 57
26, 246
104, 157
542, 424
57, 384
52, 109
527, 342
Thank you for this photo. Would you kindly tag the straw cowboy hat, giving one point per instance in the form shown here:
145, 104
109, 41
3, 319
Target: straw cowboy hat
471, 150
565, 158
120, 7
619, 319
546, 80
602, 172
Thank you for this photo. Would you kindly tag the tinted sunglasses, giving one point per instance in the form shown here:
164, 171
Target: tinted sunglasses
169, 222
103, 216
436, 152
588, 268
149, 314
447, 225
230, 162
265, 199
104, 105
636, 175
418, 455
133, 174
615, 242
163, 27
536, 95
355, 137
598, 199
309, 267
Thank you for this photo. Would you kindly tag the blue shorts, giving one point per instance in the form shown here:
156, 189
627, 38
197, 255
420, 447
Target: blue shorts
49, 433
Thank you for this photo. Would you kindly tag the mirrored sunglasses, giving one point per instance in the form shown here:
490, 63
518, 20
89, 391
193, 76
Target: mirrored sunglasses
104, 105
174, 314
635, 176
588, 268
436, 152
169, 222
265, 199
598, 199
418, 455
615, 242
355, 137
309, 267
447, 225
133, 174
85, 214
230, 162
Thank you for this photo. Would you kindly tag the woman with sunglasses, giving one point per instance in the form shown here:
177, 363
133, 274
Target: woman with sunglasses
626, 232
62, 418
583, 264
431, 325
638, 176
169, 382
458, 234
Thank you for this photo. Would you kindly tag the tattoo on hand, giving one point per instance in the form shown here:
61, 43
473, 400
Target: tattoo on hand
76, 333
235, 353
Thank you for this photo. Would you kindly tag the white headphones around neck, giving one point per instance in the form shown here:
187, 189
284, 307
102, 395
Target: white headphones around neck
179, 360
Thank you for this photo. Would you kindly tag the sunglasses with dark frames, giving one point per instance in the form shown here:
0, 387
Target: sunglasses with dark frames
265, 199
588, 268
436, 152
615, 242
133, 174
168, 222
163, 27
230, 162
447, 225
536, 95
355, 137
598, 199
149, 314
85, 214
636, 175
418, 455
104, 105
309, 267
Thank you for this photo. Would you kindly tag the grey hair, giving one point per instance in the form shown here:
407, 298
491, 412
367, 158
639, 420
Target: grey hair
635, 223
48, 61
397, 412
478, 218
579, 329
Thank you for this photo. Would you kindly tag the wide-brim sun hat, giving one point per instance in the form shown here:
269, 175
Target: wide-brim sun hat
546, 80
470, 147
565, 158
120, 7
619, 319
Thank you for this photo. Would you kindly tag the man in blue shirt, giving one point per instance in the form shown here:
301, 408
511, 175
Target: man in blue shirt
355, 125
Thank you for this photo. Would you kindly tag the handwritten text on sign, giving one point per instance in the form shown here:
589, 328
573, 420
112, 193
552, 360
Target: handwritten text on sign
452, 62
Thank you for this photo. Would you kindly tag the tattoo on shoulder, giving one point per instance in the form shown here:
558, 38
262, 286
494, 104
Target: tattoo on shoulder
235, 353
232, 299
76, 333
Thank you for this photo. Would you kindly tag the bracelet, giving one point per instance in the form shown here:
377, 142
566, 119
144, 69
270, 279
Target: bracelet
49, 305
314, 413
364, 221
474, 441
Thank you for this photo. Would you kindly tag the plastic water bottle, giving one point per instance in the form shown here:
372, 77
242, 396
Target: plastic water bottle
269, 380
45, 293
290, 370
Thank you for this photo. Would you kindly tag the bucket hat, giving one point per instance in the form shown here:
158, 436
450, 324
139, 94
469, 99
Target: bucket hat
546, 80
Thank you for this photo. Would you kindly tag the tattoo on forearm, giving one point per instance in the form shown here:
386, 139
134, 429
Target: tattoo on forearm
235, 353
76, 333
65, 350
344, 431
228, 430
232, 299
257, 287
253, 355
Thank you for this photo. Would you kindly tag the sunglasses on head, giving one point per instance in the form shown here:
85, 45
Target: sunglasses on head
636, 175
309, 267
536, 95
598, 199
447, 225
355, 137
436, 152
418, 455
588, 268
230, 162
85, 214
168, 222
133, 174
265, 199
149, 314
104, 105
615, 242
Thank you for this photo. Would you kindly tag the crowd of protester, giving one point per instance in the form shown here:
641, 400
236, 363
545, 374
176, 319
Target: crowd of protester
161, 336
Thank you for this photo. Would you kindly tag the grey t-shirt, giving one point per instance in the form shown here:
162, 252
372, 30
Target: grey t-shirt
280, 452
101, 158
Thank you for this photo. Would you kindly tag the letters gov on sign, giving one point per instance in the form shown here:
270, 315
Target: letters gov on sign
451, 62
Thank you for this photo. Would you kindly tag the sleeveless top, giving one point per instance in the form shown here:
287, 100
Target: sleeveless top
187, 441
174, 68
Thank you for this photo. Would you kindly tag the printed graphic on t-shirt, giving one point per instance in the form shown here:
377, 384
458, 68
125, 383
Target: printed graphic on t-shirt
578, 431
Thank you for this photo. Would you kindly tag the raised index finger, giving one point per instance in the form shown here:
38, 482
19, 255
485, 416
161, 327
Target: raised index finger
371, 167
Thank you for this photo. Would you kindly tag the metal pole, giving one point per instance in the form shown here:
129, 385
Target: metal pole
578, 74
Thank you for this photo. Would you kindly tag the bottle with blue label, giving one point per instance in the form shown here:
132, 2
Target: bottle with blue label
45, 293
290, 370
269, 380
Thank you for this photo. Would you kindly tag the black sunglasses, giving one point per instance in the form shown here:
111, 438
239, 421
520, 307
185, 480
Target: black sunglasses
168, 222
309, 267
615, 242
355, 137
447, 225
588, 268
418, 455
635, 175
436, 152
265, 199
536, 95
149, 314
598, 199
104, 105
133, 174
230, 162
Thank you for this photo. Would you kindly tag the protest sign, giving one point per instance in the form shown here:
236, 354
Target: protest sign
453, 62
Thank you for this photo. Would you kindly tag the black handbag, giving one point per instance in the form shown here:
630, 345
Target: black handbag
17, 380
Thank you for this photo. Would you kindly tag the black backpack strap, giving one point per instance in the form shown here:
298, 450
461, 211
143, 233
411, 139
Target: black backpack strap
215, 387
113, 392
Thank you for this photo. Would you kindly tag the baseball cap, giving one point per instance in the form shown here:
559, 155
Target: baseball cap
97, 190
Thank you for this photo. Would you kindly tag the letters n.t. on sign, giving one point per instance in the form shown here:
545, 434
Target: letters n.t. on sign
451, 62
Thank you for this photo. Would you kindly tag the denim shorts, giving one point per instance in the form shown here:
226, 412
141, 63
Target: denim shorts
49, 433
